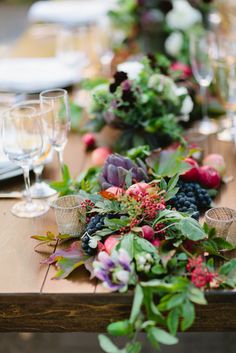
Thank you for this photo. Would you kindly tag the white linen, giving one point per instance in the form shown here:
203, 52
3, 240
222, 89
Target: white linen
32, 75
70, 12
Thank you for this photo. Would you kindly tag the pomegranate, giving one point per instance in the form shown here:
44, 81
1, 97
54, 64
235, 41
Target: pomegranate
209, 177
192, 174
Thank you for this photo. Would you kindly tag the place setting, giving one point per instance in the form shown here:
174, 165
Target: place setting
137, 107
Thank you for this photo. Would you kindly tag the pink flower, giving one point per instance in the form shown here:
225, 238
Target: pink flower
138, 189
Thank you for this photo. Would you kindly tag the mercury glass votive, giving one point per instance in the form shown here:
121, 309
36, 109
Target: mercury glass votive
220, 218
70, 215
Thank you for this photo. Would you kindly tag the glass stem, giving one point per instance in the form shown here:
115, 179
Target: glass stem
60, 159
203, 91
38, 174
27, 184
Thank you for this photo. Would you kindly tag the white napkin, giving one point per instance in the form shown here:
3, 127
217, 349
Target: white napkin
70, 12
32, 75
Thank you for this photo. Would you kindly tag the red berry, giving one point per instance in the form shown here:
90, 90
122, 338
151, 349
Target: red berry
209, 177
89, 141
148, 232
192, 174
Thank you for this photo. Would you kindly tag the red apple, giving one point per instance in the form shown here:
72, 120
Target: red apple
111, 242
89, 141
216, 161
138, 189
148, 232
209, 177
99, 155
192, 174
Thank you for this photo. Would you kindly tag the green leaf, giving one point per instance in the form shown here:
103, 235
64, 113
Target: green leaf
142, 245
188, 312
175, 300
108, 346
162, 336
191, 229
134, 347
127, 243
173, 321
196, 296
66, 173
137, 303
172, 182
120, 328
228, 267
222, 244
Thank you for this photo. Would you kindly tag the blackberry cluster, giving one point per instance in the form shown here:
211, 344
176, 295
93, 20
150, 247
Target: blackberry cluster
96, 223
191, 198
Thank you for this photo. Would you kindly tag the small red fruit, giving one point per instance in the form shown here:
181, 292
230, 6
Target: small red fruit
99, 155
191, 174
209, 177
111, 242
89, 141
216, 161
148, 232
156, 242
138, 189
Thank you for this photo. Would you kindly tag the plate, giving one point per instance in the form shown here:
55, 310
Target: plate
32, 75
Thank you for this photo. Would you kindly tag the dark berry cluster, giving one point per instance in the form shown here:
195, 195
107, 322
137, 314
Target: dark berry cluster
191, 198
96, 223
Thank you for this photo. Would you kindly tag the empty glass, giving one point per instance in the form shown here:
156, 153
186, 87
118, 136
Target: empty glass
203, 73
57, 124
220, 218
70, 215
40, 189
197, 140
23, 143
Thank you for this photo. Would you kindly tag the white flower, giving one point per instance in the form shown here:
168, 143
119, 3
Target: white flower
174, 43
132, 68
187, 105
183, 15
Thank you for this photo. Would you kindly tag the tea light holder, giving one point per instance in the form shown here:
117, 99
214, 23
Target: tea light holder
220, 218
70, 215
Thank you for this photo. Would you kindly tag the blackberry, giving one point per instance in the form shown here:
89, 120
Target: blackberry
191, 198
96, 223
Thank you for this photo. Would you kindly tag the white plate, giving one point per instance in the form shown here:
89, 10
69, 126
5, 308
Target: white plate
32, 75
70, 12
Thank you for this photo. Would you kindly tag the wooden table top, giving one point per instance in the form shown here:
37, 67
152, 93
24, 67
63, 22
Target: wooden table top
31, 301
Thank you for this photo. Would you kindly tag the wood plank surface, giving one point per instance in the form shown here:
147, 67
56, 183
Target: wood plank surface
30, 300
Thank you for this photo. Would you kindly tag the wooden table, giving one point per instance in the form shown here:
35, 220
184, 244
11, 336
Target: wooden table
31, 301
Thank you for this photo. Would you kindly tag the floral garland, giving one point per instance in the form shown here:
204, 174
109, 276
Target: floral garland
170, 20
146, 100
135, 238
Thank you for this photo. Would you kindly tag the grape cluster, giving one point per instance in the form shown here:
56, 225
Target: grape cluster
96, 223
191, 198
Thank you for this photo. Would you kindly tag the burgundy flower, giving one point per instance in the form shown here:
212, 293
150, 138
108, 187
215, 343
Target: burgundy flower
119, 77
165, 6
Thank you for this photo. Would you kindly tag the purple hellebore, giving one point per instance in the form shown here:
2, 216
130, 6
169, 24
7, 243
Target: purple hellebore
115, 271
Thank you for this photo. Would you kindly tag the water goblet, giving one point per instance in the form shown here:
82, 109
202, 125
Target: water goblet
203, 73
22, 143
57, 124
40, 189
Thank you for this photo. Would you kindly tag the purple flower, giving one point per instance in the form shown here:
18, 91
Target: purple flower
115, 270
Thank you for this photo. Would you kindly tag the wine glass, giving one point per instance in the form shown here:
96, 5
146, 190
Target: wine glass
57, 124
67, 47
40, 189
22, 138
203, 73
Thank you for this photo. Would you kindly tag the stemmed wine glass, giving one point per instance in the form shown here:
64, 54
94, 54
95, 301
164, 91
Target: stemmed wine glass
22, 137
57, 124
203, 73
40, 189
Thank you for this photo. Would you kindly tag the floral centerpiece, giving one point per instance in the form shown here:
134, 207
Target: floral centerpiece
146, 105
136, 239
161, 25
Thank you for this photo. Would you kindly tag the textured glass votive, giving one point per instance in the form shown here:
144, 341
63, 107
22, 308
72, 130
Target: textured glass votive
221, 219
70, 215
